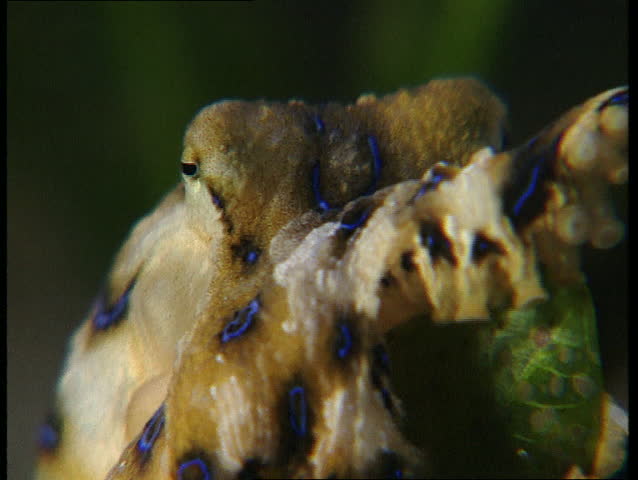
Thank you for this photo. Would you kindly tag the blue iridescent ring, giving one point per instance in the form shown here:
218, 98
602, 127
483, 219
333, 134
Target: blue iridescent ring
344, 341
151, 431
297, 410
104, 319
190, 465
241, 322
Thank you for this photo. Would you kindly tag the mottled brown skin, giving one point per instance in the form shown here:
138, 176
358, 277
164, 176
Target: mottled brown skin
246, 224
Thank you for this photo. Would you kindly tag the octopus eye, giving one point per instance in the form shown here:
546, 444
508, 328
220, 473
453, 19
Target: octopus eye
190, 169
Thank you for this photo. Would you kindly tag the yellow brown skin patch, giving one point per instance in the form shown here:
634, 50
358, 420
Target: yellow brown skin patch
267, 190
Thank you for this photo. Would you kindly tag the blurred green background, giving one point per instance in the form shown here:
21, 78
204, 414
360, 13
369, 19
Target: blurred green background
99, 95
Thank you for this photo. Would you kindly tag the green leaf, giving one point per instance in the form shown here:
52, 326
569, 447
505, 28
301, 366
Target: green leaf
548, 381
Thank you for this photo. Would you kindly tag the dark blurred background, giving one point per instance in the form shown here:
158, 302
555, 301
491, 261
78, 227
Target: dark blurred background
99, 95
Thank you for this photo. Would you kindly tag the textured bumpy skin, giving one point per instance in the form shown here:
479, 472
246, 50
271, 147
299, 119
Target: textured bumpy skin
243, 329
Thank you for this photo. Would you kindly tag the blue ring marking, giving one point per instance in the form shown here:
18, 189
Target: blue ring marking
436, 242
246, 251
105, 319
251, 257
407, 262
531, 169
381, 357
391, 464
297, 410
380, 367
357, 223
323, 205
48, 436
429, 185
387, 399
377, 164
242, 320
529, 190
482, 246
344, 342
319, 124
620, 98
151, 431
217, 201
201, 465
